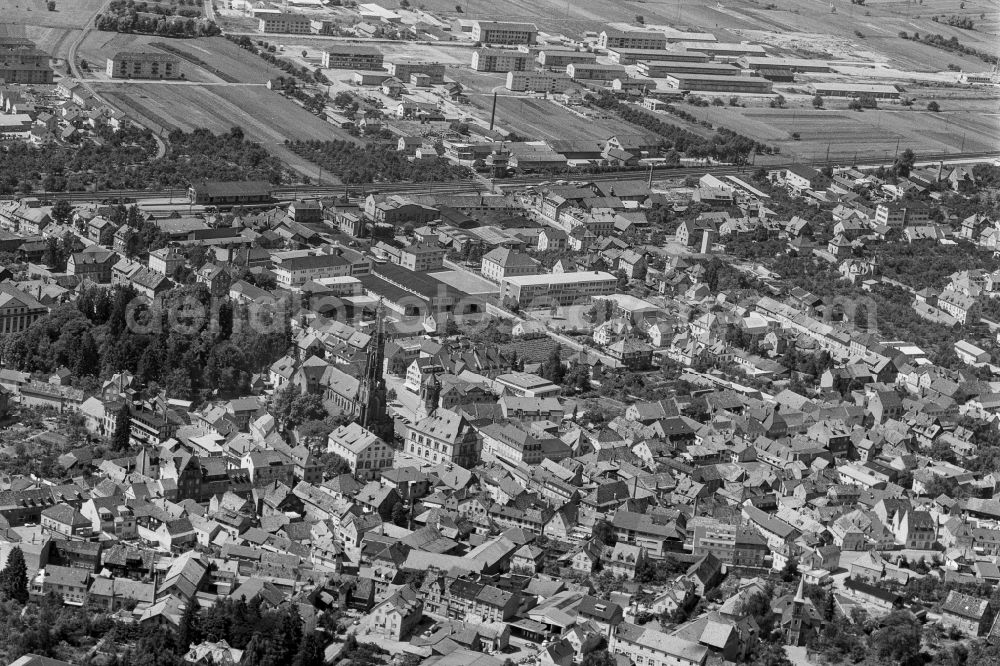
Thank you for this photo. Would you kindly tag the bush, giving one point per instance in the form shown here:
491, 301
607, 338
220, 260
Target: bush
718, 102
859, 34
933, 106
796, 136
854, 105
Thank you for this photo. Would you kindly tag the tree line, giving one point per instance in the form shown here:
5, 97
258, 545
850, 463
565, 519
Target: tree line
154, 18
367, 164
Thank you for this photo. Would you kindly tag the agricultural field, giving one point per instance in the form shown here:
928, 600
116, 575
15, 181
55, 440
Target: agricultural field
872, 133
538, 118
265, 116
68, 14
224, 87
206, 59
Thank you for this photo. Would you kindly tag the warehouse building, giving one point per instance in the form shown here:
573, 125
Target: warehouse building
658, 70
230, 193
557, 59
679, 36
550, 82
499, 60
876, 90
789, 64
283, 23
143, 65
502, 32
404, 68
623, 35
710, 83
559, 288
726, 49
623, 56
595, 71
352, 56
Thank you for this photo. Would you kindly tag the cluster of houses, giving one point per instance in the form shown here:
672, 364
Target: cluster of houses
462, 497
44, 114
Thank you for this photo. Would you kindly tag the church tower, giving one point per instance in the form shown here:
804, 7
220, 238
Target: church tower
796, 634
430, 395
372, 413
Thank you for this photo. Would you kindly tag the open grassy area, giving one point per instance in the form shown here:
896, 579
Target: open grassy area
963, 126
543, 119
68, 13
265, 116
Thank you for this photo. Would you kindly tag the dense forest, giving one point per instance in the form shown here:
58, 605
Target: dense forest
370, 164
179, 342
122, 162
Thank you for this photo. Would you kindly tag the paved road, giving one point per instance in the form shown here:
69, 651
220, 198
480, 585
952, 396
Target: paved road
165, 82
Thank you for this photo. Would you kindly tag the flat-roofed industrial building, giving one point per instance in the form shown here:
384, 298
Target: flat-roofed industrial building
658, 70
561, 288
624, 56
715, 83
876, 90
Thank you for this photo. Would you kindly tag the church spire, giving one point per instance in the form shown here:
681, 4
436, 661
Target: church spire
800, 597
372, 413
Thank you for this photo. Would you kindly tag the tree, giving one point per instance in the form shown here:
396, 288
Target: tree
123, 424
307, 407
52, 256
898, 639
605, 533
14, 577
88, 361
333, 465
399, 514
904, 163
51, 4
791, 570
458, 9
187, 630
552, 369
640, 19
818, 102
310, 652
62, 210
598, 658
933, 106
855, 105
770, 654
